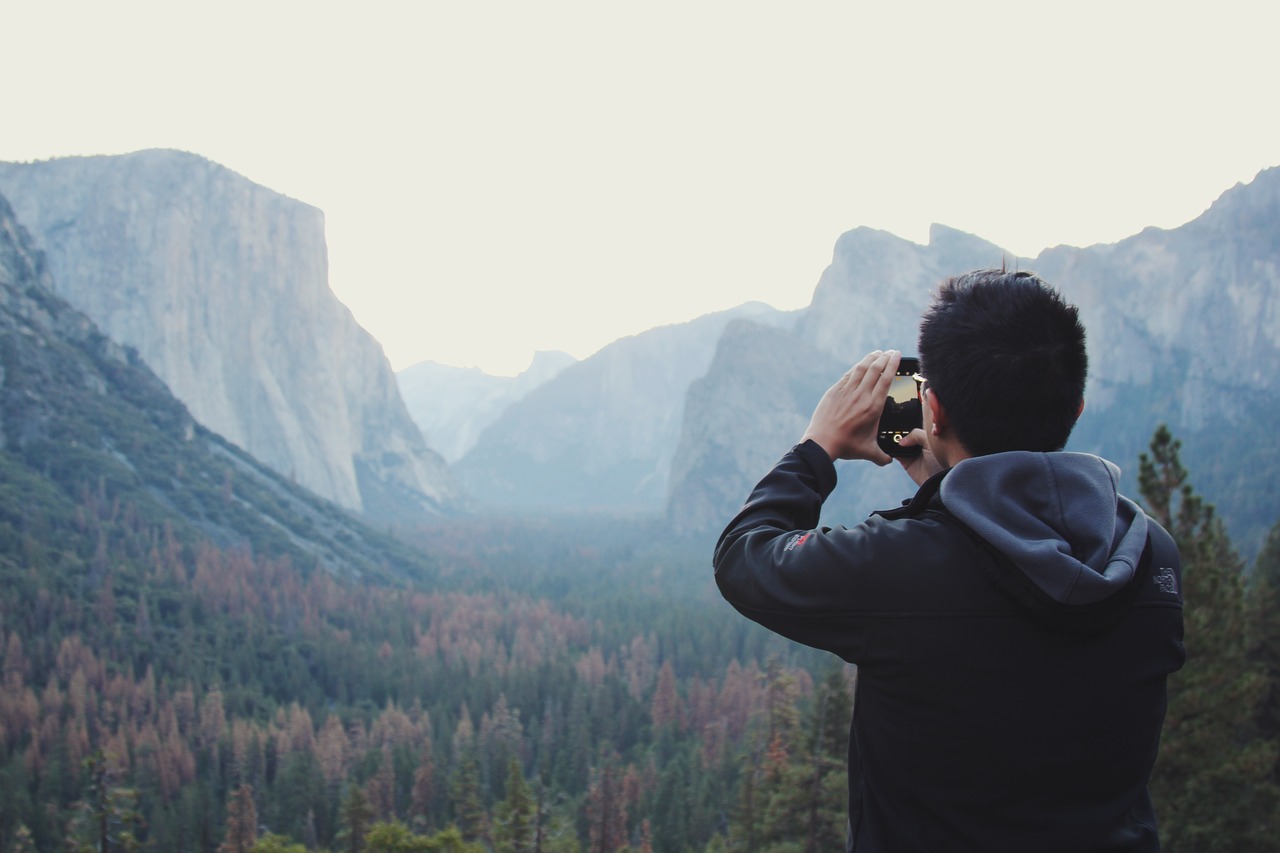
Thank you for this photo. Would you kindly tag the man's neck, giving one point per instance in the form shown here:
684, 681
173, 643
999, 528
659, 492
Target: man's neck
948, 451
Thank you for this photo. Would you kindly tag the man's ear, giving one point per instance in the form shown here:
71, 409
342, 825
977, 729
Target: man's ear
1080, 411
937, 412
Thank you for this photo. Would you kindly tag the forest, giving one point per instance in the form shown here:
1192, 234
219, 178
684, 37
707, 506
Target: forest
549, 686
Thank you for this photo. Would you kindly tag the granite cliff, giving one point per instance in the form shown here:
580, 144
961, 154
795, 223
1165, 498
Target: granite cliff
222, 286
1183, 328
86, 427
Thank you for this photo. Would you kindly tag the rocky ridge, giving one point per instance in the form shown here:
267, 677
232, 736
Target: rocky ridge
86, 426
601, 435
1183, 328
222, 286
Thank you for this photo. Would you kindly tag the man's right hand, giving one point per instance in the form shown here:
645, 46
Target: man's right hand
848, 415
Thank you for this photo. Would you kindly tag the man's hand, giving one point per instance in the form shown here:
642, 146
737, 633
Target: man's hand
922, 467
845, 422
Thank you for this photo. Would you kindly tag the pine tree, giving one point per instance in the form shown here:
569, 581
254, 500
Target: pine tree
1211, 785
605, 809
423, 794
467, 798
665, 707
242, 822
671, 803
554, 830
466, 794
356, 815
770, 742
107, 820
514, 819
1265, 595
807, 804
380, 790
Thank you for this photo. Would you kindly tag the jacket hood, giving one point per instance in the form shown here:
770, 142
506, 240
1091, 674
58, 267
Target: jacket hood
1057, 517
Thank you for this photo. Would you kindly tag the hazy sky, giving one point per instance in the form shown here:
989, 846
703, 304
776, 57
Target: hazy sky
502, 177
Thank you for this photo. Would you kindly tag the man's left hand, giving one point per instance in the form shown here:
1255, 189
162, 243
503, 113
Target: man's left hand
847, 417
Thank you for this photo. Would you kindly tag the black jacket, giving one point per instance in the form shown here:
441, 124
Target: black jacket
1013, 627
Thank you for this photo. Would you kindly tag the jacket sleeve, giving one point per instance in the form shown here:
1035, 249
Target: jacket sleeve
777, 568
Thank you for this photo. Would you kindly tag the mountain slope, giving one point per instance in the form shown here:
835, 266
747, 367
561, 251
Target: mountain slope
600, 436
83, 419
1183, 328
222, 286
454, 405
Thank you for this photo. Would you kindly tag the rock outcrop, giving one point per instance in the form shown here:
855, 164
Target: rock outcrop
222, 286
87, 427
1183, 328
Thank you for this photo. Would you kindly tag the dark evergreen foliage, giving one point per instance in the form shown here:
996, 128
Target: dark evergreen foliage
1214, 784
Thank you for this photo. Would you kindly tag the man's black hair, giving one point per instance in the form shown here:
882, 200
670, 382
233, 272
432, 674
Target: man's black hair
1005, 354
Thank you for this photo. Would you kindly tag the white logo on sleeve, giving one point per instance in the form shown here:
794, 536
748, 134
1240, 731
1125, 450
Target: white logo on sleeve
1166, 580
796, 541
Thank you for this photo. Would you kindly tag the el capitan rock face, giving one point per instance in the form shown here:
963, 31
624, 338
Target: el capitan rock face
222, 286
87, 427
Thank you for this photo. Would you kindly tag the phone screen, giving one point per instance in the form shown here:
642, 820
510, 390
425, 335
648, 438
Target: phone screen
902, 410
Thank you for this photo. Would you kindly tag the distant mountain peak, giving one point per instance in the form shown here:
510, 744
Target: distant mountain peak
944, 238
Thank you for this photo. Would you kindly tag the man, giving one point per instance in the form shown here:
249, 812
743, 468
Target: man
1013, 624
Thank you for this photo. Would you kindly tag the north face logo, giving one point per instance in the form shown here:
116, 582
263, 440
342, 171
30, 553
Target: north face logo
796, 540
1166, 580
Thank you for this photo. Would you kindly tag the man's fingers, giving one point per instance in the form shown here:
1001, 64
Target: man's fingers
879, 372
915, 438
856, 373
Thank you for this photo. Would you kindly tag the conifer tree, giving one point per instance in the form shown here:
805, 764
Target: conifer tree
1265, 595
106, 821
806, 807
380, 790
1211, 785
467, 798
605, 809
242, 822
423, 794
514, 819
553, 830
771, 742
671, 803
357, 816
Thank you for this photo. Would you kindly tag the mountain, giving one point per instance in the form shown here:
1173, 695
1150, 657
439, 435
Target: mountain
221, 286
762, 385
739, 418
86, 426
453, 405
1183, 328
601, 435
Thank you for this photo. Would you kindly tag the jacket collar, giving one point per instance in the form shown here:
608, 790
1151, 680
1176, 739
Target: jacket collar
925, 497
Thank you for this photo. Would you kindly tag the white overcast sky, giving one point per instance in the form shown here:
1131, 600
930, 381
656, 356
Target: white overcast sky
502, 177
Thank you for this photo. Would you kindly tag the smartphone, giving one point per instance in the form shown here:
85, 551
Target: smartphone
902, 411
